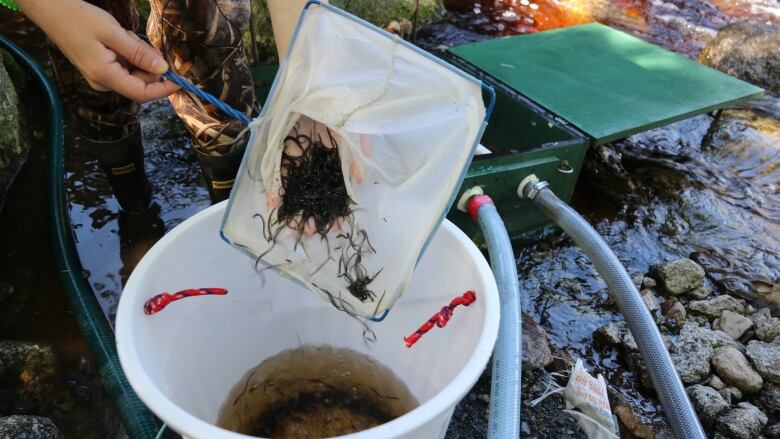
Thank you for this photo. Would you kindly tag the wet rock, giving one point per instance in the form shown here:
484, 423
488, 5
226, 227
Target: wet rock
731, 394
637, 279
673, 309
649, 282
713, 308
13, 148
772, 431
680, 276
615, 334
769, 398
536, 347
627, 417
691, 354
734, 324
702, 292
766, 359
766, 327
734, 369
707, 402
651, 301
27, 427
34, 366
749, 51
743, 422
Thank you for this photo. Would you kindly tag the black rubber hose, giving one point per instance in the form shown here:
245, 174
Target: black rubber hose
136, 418
679, 411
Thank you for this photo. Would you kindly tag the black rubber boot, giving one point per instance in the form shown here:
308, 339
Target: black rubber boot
137, 234
123, 162
220, 172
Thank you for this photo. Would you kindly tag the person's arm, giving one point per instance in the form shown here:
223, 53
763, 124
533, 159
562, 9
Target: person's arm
284, 17
109, 56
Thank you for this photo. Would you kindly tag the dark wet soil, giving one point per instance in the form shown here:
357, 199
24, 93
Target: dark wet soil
704, 188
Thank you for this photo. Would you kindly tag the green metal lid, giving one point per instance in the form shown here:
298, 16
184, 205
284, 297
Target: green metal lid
607, 83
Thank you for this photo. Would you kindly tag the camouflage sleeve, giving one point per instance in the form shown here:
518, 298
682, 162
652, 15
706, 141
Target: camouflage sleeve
202, 41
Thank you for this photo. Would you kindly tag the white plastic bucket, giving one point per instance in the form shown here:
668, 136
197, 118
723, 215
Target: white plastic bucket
184, 360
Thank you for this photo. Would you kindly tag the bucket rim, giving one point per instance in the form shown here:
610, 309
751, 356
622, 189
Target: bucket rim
190, 425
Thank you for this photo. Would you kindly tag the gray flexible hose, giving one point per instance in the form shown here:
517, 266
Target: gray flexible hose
505, 388
679, 411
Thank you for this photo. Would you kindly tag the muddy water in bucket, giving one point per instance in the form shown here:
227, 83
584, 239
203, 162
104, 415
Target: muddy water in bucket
315, 391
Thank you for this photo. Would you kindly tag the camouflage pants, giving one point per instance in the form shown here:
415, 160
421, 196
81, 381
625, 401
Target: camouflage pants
201, 40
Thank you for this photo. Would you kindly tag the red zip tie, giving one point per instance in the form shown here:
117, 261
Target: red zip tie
160, 301
475, 202
441, 318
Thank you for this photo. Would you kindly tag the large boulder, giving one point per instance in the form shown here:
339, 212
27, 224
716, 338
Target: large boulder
27, 427
749, 51
13, 147
766, 359
734, 369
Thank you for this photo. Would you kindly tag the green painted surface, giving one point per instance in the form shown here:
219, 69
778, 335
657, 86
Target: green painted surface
499, 178
607, 83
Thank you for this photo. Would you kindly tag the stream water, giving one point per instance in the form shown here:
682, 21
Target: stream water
703, 188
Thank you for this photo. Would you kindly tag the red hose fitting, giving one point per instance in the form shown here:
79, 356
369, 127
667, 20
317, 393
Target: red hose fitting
475, 202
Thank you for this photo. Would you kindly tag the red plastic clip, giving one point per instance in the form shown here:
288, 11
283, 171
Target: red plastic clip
160, 301
442, 317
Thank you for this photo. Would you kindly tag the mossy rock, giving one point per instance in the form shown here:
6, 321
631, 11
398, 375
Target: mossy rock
13, 145
380, 13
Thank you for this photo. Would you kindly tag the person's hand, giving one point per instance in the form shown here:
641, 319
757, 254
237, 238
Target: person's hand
109, 56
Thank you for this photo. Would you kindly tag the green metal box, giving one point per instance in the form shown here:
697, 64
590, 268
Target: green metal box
560, 92
564, 90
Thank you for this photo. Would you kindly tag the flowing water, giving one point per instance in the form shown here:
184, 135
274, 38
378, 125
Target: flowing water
705, 188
